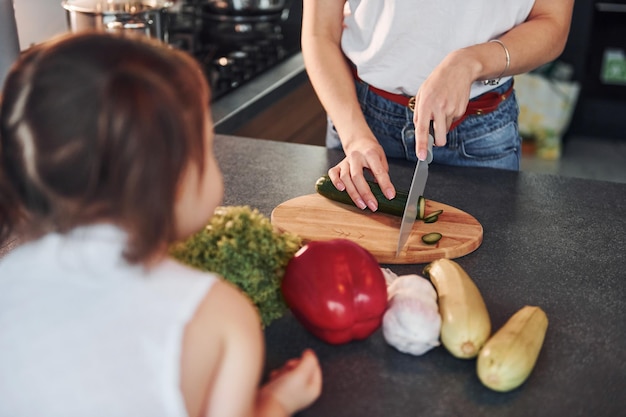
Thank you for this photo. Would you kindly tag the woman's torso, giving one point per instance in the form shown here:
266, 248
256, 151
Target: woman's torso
395, 44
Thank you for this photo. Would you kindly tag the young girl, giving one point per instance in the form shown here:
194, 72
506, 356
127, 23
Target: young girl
105, 159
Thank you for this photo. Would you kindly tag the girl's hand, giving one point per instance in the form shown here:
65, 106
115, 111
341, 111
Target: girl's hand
296, 385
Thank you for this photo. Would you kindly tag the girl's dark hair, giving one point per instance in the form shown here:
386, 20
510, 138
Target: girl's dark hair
99, 127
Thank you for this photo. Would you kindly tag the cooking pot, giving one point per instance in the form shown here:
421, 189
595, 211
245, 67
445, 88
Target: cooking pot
145, 17
247, 7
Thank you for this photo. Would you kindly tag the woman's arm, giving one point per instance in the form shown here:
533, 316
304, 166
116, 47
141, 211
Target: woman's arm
328, 70
444, 95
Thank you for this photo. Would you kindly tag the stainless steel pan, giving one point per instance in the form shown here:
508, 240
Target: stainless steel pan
146, 17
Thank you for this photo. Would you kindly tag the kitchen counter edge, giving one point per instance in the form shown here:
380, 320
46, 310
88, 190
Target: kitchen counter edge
234, 109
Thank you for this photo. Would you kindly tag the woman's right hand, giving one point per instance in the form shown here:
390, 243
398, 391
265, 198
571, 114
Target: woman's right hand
348, 174
333, 81
294, 386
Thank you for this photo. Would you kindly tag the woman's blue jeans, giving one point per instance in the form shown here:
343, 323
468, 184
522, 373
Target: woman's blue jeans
488, 140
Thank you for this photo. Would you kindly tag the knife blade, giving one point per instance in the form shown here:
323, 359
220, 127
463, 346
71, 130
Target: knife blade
418, 184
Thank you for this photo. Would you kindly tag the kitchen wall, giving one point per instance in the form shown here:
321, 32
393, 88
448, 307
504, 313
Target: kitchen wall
38, 20
9, 48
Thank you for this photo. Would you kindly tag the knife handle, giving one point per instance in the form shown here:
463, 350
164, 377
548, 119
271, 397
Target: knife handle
431, 141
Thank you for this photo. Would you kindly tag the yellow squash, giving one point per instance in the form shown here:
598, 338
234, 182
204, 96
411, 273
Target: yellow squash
465, 322
510, 355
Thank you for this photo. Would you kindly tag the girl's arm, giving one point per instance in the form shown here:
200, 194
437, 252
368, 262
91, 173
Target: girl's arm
223, 358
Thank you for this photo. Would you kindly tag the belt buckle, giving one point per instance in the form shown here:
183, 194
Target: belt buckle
411, 104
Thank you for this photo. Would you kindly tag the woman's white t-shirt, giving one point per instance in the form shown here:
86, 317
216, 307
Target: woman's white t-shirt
83, 333
395, 44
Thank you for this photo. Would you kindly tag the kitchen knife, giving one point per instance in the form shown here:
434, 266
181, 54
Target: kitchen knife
417, 189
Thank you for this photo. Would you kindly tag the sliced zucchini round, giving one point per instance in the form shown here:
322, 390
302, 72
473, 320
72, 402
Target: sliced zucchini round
432, 217
431, 238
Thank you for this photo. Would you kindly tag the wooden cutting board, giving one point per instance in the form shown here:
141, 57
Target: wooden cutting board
314, 217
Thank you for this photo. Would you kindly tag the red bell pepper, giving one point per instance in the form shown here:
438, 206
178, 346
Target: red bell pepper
336, 290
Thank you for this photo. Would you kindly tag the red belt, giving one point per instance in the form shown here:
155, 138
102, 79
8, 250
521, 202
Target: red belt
483, 104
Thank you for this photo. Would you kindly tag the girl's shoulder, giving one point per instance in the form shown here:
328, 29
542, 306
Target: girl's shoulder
222, 352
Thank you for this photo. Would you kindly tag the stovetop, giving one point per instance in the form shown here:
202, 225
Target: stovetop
234, 49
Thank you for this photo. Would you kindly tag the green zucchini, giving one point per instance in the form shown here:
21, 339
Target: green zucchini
431, 238
326, 188
432, 217
421, 207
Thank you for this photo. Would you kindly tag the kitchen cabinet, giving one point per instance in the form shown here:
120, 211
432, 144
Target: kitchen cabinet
298, 117
598, 29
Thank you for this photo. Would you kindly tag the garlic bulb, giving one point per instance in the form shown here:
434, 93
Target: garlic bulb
412, 322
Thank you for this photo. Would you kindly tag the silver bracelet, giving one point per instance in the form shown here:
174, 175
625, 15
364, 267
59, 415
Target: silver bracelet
496, 80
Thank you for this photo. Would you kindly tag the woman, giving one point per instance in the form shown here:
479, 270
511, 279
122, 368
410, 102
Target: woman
386, 70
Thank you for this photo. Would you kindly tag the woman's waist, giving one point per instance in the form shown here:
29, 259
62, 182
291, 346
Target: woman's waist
485, 95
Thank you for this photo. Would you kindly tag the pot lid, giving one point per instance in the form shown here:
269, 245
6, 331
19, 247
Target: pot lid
115, 6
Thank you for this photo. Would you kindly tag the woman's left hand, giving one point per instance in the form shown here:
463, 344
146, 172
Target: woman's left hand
442, 98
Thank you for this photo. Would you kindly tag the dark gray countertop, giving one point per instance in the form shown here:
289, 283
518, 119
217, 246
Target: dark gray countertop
551, 241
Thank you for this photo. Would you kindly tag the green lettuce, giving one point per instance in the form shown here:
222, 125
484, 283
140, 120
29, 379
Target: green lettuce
241, 245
